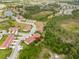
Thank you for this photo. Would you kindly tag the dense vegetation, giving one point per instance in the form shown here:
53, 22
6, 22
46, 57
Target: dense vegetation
5, 53
53, 39
32, 10
76, 13
53, 35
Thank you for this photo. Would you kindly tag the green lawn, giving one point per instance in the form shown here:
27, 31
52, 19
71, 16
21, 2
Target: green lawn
4, 53
3, 39
30, 51
5, 25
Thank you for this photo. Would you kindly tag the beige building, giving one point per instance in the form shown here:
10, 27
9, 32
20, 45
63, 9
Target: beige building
2, 7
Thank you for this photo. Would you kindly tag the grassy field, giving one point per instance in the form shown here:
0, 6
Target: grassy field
4, 53
71, 26
63, 39
3, 39
29, 51
57, 38
5, 25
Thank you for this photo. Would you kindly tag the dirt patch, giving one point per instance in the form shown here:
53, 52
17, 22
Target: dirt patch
50, 16
50, 55
40, 26
71, 26
24, 27
42, 54
56, 56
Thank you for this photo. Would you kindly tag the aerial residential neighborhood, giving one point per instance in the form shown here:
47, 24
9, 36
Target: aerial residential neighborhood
39, 29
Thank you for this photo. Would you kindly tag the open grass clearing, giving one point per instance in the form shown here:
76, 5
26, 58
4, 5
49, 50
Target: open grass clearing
4, 53
71, 25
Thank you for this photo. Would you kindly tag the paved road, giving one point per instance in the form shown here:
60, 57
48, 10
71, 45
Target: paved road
66, 9
17, 46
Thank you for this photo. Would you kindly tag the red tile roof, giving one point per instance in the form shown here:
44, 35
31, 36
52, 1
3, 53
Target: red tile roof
7, 42
32, 38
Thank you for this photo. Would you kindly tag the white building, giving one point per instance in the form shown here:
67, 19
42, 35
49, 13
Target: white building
1, 35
